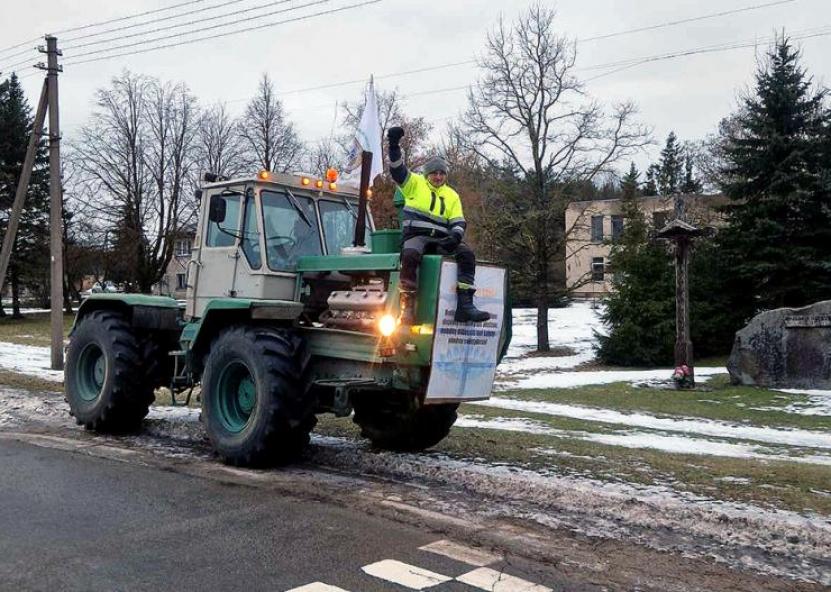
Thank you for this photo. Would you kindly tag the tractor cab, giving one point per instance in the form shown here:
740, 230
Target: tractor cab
253, 232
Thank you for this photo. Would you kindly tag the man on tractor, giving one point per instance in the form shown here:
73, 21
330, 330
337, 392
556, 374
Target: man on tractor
432, 222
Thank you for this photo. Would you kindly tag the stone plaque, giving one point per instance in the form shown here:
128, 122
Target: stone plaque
807, 321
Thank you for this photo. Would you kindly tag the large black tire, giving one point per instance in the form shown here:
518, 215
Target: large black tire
255, 401
393, 422
107, 384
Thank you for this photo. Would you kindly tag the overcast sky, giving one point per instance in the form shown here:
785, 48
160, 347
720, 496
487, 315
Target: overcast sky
688, 94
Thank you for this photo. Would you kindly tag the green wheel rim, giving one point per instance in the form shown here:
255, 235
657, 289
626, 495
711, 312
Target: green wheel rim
92, 373
235, 396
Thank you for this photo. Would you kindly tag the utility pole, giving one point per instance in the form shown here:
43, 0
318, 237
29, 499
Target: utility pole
56, 201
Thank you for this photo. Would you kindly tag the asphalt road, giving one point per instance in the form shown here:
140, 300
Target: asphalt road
69, 521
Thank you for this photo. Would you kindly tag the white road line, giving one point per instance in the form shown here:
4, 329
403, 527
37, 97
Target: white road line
491, 580
403, 574
317, 587
462, 553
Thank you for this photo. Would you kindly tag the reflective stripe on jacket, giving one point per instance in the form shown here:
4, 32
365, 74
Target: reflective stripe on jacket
436, 211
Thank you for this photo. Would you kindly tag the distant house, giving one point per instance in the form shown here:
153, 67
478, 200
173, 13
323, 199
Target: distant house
175, 280
594, 226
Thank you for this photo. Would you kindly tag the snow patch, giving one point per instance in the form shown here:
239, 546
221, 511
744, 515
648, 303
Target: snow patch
704, 427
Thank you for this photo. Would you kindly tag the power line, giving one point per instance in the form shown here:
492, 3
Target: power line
686, 20
150, 22
200, 30
128, 17
228, 33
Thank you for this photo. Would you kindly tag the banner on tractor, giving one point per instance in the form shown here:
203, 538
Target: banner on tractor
464, 354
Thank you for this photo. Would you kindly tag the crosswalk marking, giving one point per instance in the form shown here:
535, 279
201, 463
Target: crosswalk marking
492, 580
317, 587
409, 576
462, 553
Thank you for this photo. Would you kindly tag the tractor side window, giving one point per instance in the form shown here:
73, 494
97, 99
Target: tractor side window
290, 228
338, 220
251, 234
216, 237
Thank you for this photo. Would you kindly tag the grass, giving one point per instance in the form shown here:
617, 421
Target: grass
32, 329
716, 399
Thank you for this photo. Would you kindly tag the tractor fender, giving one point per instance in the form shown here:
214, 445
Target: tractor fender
220, 313
153, 313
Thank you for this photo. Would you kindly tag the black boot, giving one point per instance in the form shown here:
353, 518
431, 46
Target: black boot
465, 311
407, 301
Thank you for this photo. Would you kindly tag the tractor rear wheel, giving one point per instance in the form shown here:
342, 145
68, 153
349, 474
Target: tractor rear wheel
107, 384
399, 423
255, 403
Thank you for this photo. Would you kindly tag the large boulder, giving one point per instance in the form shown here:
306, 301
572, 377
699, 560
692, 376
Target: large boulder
785, 348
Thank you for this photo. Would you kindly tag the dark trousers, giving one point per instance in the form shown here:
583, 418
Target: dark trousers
414, 247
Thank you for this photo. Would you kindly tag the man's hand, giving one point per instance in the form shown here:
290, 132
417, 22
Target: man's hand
394, 135
450, 242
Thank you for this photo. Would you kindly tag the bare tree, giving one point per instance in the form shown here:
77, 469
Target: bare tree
221, 149
270, 138
132, 162
326, 153
530, 118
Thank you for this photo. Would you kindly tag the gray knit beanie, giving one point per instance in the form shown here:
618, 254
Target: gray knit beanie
436, 163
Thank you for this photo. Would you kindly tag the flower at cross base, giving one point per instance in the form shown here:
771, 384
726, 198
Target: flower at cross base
682, 376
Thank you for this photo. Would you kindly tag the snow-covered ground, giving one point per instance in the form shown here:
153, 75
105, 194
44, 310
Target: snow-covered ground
573, 330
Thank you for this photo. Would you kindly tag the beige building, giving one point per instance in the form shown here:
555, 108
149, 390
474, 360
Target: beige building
594, 226
174, 282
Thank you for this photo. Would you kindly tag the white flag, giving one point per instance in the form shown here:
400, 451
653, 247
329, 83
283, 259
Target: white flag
368, 137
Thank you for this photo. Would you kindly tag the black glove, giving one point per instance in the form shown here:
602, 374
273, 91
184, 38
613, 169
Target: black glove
394, 135
450, 242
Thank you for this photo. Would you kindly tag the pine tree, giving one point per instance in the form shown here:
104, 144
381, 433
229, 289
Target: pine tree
639, 312
690, 185
778, 237
650, 187
30, 253
670, 174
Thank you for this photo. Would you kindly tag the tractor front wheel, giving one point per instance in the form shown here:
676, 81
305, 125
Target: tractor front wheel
399, 423
255, 403
107, 383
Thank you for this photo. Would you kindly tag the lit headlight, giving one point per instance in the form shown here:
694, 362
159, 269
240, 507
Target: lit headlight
387, 325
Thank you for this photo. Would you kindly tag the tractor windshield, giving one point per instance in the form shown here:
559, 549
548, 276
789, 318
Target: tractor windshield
338, 219
291, 229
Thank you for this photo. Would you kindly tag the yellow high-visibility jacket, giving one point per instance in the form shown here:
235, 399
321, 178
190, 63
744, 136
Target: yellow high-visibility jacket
431, 211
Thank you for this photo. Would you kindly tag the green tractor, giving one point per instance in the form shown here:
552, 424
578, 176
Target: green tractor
285, 318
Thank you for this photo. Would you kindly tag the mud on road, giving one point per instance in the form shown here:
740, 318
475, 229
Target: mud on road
607, 535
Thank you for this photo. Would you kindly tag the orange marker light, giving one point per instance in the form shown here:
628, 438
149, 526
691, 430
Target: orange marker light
331, 175
369, 193
305, 181
333, 186
319, 184
264, 175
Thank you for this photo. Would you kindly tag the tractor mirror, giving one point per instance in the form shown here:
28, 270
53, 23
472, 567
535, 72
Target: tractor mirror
216, 210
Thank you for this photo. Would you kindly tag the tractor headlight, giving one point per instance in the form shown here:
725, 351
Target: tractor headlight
387, 325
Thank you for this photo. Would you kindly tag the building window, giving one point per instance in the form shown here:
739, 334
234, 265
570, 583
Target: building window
183, 247
597, 229
597, 269
617, 228
181, 281
660, 219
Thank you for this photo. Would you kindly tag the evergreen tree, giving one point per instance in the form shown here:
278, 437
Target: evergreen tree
30, 253
778, 237
639, 312
671, 167
690, 184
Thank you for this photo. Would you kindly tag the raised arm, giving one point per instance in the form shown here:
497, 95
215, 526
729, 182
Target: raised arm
398, 170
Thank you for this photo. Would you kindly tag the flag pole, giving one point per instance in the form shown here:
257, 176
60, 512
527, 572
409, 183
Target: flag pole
360, 225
